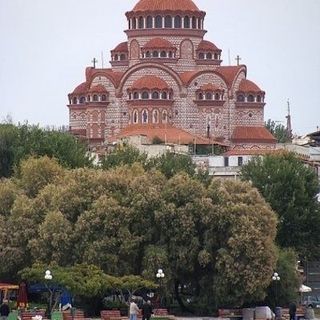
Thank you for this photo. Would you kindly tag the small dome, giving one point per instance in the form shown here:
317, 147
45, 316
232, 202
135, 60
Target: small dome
150, 82
158, 43
248, 86
98, 89
207, 46
121, 47
81, 89
165, 5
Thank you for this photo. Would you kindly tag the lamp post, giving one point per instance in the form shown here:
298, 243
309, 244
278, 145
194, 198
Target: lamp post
160, 276
276, 278
48, 277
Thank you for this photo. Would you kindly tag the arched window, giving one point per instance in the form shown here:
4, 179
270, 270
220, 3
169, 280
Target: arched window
199, 23
135, 117
122, 56
258, 98
200, 96
240, 98
216, 57
250, 98
163, 54
144, 116
149, 22
177, 22
155, 116
217, 96
145, 95
186, 22
74, 100
164, 95
194, 23
134, 23
95, 97
155, 95
201, 55
170, 54
130, 96
148, 54
158, 22
82, 99
209, 55
103, 97
164, 116
88, 98
135, 95
140, 23
155, 54
209, 96
116, 57
168, 22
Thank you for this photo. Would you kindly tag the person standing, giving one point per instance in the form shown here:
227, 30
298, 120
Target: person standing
146, 310
292, 311
134, 310
4, 310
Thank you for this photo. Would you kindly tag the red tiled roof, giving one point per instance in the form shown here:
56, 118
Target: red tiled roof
248, 152
229, 73
208, 46
163, 5
81, 89
99, 88
150, 82
187, 76
248, 86
210, 87
115, 77
166, 133
252, 134
158, 43
121, 47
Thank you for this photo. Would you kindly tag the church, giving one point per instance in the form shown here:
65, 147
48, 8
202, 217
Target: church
167, 84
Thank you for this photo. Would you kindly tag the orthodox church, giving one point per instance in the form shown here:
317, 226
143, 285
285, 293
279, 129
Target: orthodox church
167, 82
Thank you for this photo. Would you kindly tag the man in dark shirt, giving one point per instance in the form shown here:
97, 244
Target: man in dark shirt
292, 311
146, 310
4, 310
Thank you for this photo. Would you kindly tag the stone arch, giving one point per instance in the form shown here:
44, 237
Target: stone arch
200, 73
134, 50
186, 49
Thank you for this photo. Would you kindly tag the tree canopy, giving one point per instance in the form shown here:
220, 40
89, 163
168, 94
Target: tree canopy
290, 188
215, 240
279, 131
21, 141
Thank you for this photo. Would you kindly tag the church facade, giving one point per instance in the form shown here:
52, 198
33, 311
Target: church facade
167, 82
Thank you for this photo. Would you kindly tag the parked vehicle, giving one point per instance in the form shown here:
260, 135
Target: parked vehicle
312, 300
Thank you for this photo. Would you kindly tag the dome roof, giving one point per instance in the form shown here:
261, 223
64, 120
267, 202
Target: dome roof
123, 47
98, 89
80, 89
165, 5
207, 45
150, 82
248, 86
158, 43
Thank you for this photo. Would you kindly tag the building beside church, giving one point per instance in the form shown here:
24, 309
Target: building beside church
167, 82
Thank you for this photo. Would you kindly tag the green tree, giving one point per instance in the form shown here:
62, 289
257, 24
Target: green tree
290, 188
279, 131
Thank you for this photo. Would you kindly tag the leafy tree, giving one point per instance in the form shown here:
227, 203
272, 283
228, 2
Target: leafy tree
22, 141
290, 188
279, 131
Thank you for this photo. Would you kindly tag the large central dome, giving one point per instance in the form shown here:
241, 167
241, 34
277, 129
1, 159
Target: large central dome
162, 5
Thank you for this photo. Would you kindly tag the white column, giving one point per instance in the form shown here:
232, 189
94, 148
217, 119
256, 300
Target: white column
144, 22
182, 22
172, 22
163, 22
153, 22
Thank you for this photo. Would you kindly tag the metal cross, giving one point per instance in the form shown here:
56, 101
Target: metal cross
238, 59
94, 61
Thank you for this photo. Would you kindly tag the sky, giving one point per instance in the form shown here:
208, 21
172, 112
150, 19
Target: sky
47, 44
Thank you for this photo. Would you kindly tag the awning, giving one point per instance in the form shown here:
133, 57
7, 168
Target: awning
304, 288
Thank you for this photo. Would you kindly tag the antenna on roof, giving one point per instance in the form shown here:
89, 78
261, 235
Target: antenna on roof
229, 57
102, 60
289, 127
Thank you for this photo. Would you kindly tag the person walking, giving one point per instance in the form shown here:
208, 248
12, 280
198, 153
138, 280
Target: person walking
309, 313
146, 310
133, 310
4, 310
292, 311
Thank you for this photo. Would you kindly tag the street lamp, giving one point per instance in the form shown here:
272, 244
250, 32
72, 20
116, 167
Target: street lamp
276, 278
48, 276
160, 276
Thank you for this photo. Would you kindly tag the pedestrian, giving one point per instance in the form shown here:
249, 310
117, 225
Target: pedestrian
4, 310
146, 310
309, 312
134, 310
292, 310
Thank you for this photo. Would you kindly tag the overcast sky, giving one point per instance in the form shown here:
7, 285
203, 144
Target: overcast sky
45, 46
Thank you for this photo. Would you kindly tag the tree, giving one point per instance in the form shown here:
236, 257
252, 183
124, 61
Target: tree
290, 188
279, 131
